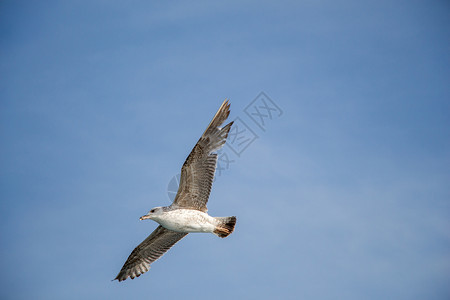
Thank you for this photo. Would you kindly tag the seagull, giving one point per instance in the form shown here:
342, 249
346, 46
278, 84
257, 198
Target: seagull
188, 212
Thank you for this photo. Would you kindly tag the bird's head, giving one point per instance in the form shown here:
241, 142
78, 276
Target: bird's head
154, 212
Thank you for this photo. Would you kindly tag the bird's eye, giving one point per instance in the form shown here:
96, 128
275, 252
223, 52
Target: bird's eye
152, 211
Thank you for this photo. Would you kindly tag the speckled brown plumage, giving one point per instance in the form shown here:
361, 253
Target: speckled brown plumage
197, 175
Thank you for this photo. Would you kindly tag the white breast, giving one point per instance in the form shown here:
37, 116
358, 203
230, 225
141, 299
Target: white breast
187, 220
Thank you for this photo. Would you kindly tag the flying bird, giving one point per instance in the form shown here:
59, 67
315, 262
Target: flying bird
188, 212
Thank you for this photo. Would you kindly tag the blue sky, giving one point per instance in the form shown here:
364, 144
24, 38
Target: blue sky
345, 195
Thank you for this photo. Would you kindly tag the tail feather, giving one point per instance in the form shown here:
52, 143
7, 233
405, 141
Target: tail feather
225, 226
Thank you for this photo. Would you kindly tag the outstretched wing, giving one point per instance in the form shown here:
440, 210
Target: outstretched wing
197, 173
152, 248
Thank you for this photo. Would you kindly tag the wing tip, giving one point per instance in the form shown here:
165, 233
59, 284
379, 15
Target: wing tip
221, 115
122, 276
224, 109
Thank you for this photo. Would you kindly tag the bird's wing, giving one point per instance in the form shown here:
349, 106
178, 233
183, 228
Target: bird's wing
197, 173
152, 248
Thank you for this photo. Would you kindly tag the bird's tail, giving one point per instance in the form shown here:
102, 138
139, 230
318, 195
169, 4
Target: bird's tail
225, 226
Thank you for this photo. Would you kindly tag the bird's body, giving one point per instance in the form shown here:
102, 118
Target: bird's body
188, 212
187, 220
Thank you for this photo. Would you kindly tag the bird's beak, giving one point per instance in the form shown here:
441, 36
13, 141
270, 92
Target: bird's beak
144, 217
